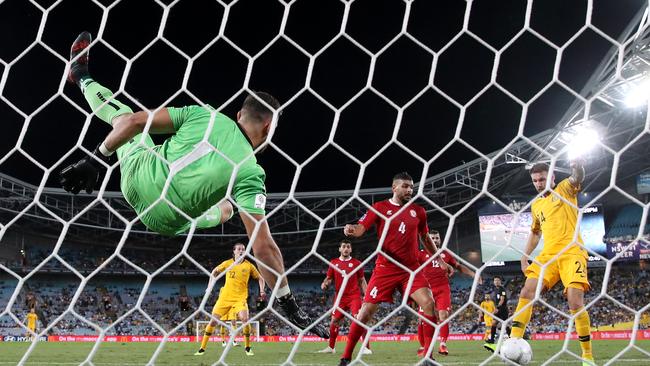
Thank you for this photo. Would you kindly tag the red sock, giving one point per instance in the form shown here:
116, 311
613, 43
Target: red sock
444, 333
334, 332
365, 333
420, 334
356, 331
427, 330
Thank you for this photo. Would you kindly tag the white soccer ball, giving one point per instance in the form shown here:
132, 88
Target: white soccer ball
517, 350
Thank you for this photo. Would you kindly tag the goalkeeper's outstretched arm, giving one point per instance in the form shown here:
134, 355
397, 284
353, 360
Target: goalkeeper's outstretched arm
127, 126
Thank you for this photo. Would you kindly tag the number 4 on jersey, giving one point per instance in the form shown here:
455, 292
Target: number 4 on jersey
402, 227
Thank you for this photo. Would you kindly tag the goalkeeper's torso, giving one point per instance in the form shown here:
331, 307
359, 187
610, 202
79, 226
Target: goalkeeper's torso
202, 170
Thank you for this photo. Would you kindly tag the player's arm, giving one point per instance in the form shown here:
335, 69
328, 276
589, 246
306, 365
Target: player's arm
365, 222
326, 283
354, 230
577, 173
531, 244
84, 174
502, 298
126, 126
261, 283
363, 284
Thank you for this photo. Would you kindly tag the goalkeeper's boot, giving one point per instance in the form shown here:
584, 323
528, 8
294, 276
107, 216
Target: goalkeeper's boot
299, 318
200, 352
248, 351
79, 66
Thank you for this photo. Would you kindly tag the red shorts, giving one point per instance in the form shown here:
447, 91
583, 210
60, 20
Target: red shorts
442, 296
385, 280
349, 304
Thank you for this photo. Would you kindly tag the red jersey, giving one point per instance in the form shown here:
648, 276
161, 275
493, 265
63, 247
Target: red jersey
434, 273
401, 241
346, 266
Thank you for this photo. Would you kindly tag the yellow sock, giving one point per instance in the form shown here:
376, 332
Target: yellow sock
206, 336
487, 334
521, 320
223, 330
247, 335
583, 328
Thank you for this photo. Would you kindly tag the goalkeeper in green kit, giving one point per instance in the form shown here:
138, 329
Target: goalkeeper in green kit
199, 177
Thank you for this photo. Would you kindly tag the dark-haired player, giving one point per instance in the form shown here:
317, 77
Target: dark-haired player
352, 293
192, 170
555, 217
437, 274
408, 224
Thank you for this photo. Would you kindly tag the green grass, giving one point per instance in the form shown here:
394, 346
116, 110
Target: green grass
385, 353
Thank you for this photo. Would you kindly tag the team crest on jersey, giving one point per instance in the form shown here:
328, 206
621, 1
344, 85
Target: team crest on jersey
349, 264
413, 213
337, 264
389, 212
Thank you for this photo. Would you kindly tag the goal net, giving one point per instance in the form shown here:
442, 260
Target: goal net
466, 96
255, 328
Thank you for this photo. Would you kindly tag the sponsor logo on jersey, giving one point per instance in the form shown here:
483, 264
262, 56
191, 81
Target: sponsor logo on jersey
389, 212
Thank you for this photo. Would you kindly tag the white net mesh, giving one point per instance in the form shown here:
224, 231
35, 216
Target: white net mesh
603, 95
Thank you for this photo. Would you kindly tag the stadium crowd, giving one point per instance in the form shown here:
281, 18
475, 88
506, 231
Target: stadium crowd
103, 304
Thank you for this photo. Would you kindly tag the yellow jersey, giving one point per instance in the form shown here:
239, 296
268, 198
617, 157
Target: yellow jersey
236, 287
489, 307
557, 220
31, 321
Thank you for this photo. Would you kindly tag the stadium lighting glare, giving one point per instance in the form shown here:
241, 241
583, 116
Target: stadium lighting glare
638, 94
583, 142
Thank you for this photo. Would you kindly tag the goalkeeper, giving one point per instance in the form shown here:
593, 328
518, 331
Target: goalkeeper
199, 177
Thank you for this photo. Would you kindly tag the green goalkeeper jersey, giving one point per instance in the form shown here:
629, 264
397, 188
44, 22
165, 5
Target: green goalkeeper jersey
202, 172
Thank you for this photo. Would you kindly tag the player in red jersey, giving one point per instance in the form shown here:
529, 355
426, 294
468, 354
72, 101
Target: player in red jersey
438, 277
351, 298
406, 223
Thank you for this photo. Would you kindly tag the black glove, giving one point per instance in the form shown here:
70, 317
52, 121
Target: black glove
84, 173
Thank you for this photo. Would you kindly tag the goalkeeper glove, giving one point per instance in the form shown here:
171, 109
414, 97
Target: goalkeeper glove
83, 174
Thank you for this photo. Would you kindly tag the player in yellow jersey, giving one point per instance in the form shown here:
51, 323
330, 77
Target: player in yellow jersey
233, 295
31, 320
223, 329
555, 217
488, 305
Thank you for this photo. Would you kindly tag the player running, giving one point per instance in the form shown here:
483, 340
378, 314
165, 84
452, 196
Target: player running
199, 177
501, 295
555, 216
408, 222
485, 316
233, 295
31, 320
437, 273
352, 293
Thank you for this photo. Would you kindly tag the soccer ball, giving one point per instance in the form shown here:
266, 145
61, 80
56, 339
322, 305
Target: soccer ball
517, 350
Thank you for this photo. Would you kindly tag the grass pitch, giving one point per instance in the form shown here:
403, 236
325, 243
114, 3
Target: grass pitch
385, 353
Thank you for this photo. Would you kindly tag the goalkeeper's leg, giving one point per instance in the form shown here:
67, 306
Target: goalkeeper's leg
99, 98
